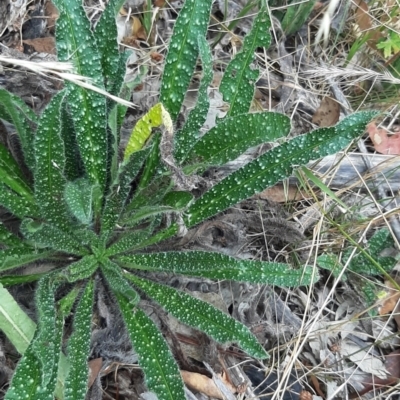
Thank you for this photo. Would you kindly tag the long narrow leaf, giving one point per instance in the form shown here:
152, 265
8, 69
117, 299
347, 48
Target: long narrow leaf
189, 134
81, 269
117, 282
203, 264
106, 38
202, 315
15, 111
76, 43
17, 205
19, 256
159, 367
233, 136
182, 53
120, 189
11, 175
50, 164
237, 85
276, 165
7, 237
14, 322
46, 235
79, 346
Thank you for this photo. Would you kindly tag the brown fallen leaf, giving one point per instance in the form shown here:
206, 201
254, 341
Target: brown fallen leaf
94, 369
280, 194
205, 385
364, 22
328, 113
42, 45
383, 143
201, 383
392, 365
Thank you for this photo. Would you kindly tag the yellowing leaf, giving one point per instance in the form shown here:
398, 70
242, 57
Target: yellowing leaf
142, 130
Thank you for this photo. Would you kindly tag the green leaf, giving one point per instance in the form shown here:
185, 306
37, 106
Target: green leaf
11, 175
159, 367
276, 165
186, 137
14, 322
361, 263
178, 199
331, 263
76, 43
19, 206
106, 39
73, 162
296, 15
182, 54
47, 342
201, 315
45, 235
219, 266
151, 167
158, 237
81, 269
26, 379
18, 256
232, 136
11, 280
50, 164
238, 83
15, 111
79, 346
79, 198
120, 189
7, 238
127, 242
117, 282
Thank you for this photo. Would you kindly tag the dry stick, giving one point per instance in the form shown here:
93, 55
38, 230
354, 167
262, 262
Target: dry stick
386, 205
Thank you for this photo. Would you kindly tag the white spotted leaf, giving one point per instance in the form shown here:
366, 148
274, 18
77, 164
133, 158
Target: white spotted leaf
201, 315
160, 369
182, 54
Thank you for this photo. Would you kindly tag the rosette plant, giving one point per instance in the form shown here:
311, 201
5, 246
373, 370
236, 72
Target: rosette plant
94, 215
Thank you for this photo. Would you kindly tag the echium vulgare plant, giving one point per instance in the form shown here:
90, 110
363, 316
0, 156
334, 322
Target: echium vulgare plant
93, 214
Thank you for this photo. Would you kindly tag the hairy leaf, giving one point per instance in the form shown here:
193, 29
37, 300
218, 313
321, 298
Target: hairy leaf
276, 165
182, 53
11, 175
15, 111
201, 315
186, 137
76, 43
79, 346
115, 201
50, 163
19, 206
160, 369
117, 282
81, 269
45, 235
219, 266
238, 82
232, 136
47, 342
22, 255
79, 198
8, 238
106, 38
73, 162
